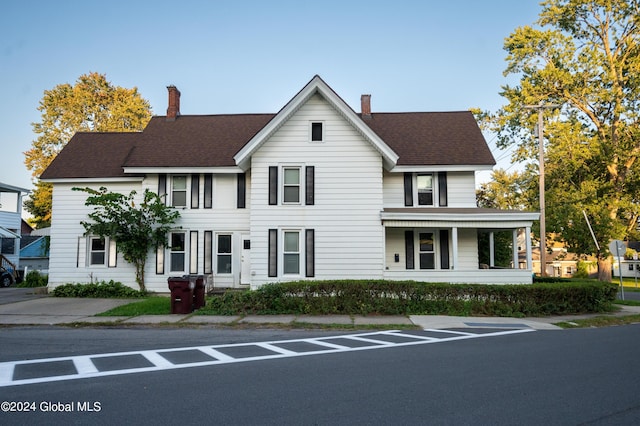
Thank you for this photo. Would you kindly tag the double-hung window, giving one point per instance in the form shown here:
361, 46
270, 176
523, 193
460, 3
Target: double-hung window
291, 185
177, 252
97, 251
289, 249
102, 252
425, 189
291, 252
179, 191
224, 254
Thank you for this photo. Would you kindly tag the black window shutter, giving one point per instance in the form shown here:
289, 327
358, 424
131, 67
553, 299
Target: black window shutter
310, 253
444, 249
310, 185
273, 185
408, 189
162, 187
208, 190
442, 189
273, 252
242, 190
408, 248
195, 191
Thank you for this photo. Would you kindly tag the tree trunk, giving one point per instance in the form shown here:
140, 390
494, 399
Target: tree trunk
140, 276
604, 269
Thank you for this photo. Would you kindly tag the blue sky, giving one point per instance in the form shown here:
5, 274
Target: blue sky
242, 56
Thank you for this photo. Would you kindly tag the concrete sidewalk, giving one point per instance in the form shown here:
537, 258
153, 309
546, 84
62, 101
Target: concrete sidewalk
60, 311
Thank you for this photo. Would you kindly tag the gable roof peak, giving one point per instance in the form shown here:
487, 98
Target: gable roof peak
315, 85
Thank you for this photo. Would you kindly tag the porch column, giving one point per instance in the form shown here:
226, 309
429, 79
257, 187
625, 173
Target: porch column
514, 245
492, 257
454, 248
527, 237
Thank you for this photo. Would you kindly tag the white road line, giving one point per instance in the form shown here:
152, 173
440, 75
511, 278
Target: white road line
86, 369
462, 333
6, 373
156, 359
375, 342
276, 349
216, 354
84, 365
326, 344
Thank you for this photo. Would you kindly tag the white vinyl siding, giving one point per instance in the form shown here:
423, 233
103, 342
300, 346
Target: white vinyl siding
69, 248
347, 200
461, 190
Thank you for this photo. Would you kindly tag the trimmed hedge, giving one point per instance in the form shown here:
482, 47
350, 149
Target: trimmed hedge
102, 289
417, 298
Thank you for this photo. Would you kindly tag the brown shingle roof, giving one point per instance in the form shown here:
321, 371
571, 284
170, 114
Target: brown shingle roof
421, 138
92, 155
195, 140
433, 138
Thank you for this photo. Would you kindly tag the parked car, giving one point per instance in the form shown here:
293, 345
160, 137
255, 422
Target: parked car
6, 279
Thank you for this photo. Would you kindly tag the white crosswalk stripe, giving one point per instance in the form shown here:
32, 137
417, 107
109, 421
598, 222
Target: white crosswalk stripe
32, 371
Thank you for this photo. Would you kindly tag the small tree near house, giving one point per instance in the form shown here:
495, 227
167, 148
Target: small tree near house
136, 229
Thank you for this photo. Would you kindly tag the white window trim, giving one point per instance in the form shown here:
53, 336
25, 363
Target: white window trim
436, 248
186, 251
187, 190
301, 184
301, 252
110, 252
434, 183
323, 138
217, 253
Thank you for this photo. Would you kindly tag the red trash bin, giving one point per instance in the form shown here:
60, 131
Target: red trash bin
181, 295
198, 292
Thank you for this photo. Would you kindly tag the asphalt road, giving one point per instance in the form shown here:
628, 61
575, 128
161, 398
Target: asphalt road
579, 376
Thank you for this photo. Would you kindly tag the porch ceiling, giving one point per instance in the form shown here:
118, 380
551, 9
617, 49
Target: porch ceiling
456, 217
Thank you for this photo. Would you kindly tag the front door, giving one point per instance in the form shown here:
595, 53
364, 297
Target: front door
245, 269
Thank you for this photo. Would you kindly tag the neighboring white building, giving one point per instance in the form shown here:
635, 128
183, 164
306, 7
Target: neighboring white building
10, 225
316, 191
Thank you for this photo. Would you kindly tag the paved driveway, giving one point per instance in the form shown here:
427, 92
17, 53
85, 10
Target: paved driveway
14, 294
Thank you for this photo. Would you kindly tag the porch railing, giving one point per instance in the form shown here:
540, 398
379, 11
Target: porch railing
9, 266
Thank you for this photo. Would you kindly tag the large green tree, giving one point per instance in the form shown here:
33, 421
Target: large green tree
136, 228
92, 104
584, 56
508, 190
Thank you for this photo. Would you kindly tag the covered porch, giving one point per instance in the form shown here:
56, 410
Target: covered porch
458, 245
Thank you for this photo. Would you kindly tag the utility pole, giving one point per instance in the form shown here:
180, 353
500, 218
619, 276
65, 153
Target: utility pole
543, 230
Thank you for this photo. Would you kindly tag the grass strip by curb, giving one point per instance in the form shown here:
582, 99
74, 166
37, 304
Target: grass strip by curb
600, 321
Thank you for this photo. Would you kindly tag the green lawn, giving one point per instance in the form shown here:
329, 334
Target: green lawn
156, 305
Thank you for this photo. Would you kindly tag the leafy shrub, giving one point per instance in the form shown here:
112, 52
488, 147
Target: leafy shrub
100, 289
582, 269
34, 279
416, 298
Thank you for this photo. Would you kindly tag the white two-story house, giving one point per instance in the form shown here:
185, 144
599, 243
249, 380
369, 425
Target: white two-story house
315, 191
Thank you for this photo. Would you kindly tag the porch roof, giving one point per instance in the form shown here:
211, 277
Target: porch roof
470, 217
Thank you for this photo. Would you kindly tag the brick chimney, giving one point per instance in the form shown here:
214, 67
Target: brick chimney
173, 111
365, 105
